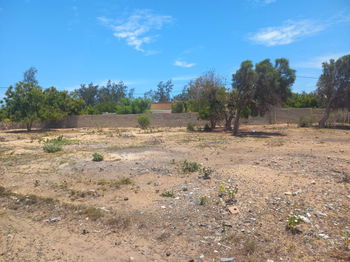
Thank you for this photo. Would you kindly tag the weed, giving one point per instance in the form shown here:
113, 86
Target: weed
249, 246
346, 178
202, 200
190, 167
36, 183
292, 223
305, 121
144, 122
206, 172
190, 127
115, 183
97, 157
168, 194
51, 147
92, 213
120, 221
228, 193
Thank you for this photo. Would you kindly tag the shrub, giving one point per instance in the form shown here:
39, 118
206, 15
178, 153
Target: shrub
50, 147
207, 128
190, 167
97, 157
144, 122
168, 194
190, 127
305, 121
206, 172
292, 223
202, 200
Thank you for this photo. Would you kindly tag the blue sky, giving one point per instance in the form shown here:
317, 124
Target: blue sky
143, 42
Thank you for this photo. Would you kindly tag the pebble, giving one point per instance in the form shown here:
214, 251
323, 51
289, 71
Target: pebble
227, 259
324, 236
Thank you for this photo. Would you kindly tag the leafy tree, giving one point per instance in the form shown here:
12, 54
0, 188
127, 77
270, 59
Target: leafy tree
256, 91
24, 102
333, 86
244, 83
211, 97
133, 106
29, 76
88, 93
303, 100
3, 112
163, 92
112, 92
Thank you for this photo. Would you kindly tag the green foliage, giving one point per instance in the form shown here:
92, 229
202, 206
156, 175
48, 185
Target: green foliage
305, 121
206, 172
190, 167
202, 200
168, 194
92, 213
52, 147
144, 122
133, 106
180, 107
292, 224
303, 100
97, 157
162, 94
190, 127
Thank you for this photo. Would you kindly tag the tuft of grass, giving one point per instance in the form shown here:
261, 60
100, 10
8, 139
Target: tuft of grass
249, 246
49, 147
144, 122
190, 167
97, 157
190, 127
119, 221
202, 200
206, 172
115, 183
92, 213
292, 224
168, 194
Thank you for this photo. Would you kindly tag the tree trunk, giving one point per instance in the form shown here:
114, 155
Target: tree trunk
212, 124
236, 122
29, 126
322, 122
228, 124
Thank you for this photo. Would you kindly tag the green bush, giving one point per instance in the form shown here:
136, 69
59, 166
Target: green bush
144, 122
207, 128
50, 147
304, 121
190, 127
190, 167
97, 157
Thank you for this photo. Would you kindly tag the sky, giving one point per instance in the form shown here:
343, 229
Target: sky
141, 42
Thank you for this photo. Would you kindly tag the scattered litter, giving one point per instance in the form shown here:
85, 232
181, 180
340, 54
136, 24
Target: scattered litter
52, 220
233, 209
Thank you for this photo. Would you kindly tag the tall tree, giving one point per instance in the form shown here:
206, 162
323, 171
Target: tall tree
333, 86
163, 92
244, 83
88, 93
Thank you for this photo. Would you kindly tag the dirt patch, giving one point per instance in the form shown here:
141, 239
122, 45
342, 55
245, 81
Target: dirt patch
276, 192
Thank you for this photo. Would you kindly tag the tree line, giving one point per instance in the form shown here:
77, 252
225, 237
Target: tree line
255, 89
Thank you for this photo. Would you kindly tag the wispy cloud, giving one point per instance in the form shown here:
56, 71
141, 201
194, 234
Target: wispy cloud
138, 28
289, 32
316, 62
182, 63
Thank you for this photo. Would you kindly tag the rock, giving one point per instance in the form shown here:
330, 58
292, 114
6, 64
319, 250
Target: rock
227, 259
269, 260
167, 254
288, 193
233, 209
305, 219
324, 236
297, 192
321, 213
201, 256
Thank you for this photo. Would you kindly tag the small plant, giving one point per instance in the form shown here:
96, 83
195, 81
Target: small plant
144, 122
51, 147
36, 183
249, 246
228, 193
97, 157
292, 223
190, 127
190, 167
206, 172
207, 128
168, 194
202, 200
304, 121
92, 213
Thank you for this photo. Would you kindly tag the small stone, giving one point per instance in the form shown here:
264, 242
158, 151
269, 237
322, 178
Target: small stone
167, 254
324, 236
288, 193
126, 198
305, 219
201, 256
313, 182
227, 259
269, 260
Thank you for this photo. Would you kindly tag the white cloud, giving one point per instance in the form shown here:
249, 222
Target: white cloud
137, 29
316, 62
182, 63
289, 32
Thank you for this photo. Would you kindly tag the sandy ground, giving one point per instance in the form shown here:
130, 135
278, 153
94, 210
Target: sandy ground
139, 204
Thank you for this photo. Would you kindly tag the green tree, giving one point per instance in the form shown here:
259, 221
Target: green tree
303, 100
333, 86
88, 93
244, 83
133, 106
163, 92
24, 102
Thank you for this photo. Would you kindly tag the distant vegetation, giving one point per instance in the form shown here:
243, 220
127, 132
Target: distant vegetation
255, 89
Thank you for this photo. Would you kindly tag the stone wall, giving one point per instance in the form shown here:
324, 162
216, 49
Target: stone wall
276, 116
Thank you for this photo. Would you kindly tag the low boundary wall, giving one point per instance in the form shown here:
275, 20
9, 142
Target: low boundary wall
275, 116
